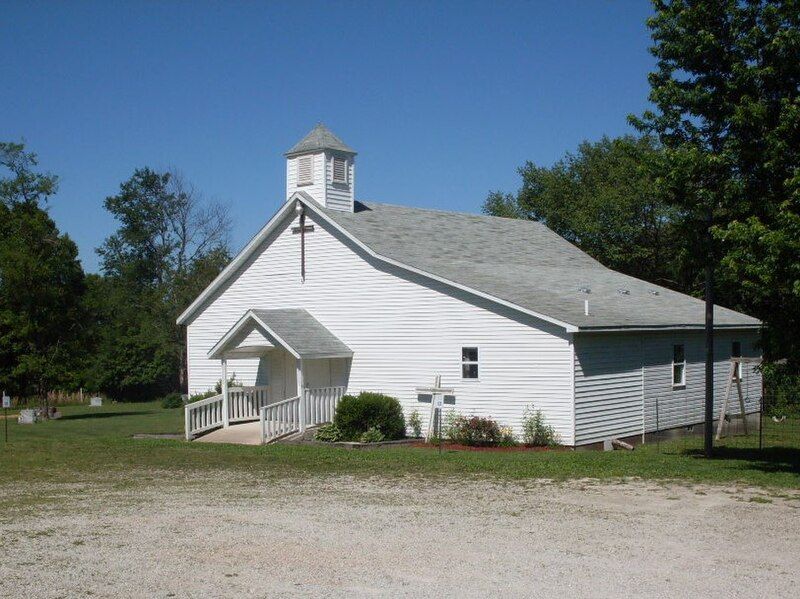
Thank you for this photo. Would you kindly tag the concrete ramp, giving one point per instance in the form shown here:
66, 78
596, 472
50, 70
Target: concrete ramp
248, 433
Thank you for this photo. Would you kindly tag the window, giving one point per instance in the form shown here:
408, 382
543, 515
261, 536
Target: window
305, 170
678, 366
339, 170
469, 362
736, 352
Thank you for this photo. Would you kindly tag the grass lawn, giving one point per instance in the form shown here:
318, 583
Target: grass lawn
92, 444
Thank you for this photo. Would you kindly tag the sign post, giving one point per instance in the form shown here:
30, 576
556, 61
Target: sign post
438, 401
6, 405
437, 393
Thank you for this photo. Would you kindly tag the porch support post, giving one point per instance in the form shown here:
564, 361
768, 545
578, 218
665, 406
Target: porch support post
225, 412
301, 393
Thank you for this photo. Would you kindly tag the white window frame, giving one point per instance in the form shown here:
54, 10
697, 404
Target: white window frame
310, 179
475, 362
737, 372
682, 383
333, 169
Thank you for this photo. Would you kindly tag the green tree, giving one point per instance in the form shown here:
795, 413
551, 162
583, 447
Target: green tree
41, 283
726, 96
169, 245
605, 198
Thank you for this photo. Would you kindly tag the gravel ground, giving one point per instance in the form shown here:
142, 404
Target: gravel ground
336, 537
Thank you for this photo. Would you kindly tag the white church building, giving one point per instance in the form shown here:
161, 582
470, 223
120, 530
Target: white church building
337, 295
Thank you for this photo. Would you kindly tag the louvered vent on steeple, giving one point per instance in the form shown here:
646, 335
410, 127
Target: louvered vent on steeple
322, 166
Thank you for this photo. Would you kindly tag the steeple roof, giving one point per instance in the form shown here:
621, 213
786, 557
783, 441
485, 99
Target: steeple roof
319, 138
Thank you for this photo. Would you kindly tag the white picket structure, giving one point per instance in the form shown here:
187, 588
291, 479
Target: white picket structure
203, 415
245, 403
250, 403
320, 404
280, 419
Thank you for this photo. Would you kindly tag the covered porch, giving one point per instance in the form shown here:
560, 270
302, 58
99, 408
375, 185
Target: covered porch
303, 371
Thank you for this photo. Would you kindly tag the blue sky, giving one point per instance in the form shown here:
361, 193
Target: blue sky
443, 101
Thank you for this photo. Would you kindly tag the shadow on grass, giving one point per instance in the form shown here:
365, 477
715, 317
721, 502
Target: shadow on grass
103, 415
769, 459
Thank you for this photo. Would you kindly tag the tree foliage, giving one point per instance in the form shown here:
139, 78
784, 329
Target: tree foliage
726, 96
169, 245
605, 199
41, 283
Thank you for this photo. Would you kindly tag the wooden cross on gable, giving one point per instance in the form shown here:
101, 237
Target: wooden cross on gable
437, 393
302, 230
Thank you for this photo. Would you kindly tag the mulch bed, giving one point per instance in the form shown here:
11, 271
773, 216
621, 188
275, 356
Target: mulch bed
457, 447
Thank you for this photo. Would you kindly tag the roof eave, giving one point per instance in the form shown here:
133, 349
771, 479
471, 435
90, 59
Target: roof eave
236, 263
319, 151
666, 327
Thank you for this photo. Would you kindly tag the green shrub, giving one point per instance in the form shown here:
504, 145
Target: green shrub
781, 391
415, 423
450, 419
371, 435
172, 400
507, 437
356, 414
328, 433
535, 431
203, 395
475, 431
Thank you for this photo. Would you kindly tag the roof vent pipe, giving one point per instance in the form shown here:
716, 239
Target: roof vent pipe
586, 307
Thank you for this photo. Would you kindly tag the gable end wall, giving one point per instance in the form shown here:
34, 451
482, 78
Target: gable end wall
402, 328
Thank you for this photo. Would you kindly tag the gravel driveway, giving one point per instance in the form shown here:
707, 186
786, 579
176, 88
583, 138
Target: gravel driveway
337, 537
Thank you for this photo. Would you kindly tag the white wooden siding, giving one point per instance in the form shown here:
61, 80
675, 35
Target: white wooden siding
667, 407
402, 329
623, 382
608, 387
315, 190
340, 196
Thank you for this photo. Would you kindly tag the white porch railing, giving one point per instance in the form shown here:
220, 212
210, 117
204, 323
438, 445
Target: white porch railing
320, 404
245, 403
285, 417
203, 415
280, 419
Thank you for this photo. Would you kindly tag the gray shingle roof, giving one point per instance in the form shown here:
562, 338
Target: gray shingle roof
525, 263
303, 333
319, 138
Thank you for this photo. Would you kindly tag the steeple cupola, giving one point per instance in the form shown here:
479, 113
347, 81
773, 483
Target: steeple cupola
322, 166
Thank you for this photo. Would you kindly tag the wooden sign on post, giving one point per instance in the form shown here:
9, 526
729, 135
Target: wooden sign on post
437, 394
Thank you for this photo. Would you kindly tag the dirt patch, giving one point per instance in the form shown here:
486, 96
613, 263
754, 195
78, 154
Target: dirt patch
254, 536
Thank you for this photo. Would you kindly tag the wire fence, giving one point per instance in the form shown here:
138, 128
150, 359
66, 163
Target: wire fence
770, 422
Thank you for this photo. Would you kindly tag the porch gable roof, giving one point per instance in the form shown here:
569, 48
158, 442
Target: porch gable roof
294, 329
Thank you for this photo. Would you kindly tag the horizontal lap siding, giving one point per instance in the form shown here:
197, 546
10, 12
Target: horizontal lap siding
317, 189
668, 407
608, 387
339, 196
402, 330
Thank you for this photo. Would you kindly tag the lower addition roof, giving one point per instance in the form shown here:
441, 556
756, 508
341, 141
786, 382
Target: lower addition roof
294, 329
